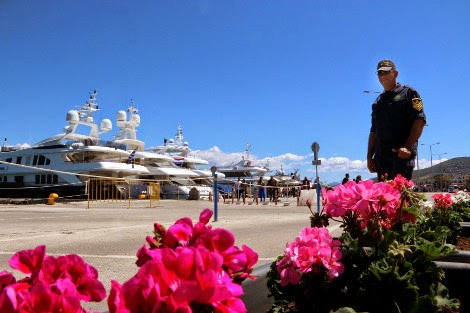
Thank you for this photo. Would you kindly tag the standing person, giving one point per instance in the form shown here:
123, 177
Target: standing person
345, 179
244, 187
262, 190
398, 120
358, 178
272, 184
238, 187
305, 183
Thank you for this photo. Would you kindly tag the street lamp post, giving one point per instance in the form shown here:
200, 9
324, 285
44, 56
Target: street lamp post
315, 148
430, 151
439, 154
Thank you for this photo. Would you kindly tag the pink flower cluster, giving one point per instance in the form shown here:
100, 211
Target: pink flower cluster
313, 250
186, 267
53, 285
367, 200
442, 201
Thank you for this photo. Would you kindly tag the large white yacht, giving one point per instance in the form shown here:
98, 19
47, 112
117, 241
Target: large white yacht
170, 165
245, 169
183, 157
285, 179
63, 163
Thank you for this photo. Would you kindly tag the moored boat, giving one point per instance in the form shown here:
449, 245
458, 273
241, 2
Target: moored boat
63, 163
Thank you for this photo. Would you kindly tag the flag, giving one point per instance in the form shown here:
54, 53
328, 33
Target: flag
178, 160
130, 159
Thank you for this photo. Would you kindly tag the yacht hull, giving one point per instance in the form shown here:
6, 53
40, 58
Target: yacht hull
16, 191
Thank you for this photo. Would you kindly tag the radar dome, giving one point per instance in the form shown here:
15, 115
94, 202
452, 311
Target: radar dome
72, 117
121, 116
171, 141
106, 125
135, 119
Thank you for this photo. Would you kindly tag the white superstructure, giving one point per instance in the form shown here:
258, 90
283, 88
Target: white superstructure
245, 169
163, 164
63, 163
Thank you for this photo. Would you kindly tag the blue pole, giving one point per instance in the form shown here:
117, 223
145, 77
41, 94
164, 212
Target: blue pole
216, 197
318, 196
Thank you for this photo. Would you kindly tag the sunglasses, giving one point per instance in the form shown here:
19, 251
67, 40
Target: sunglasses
380, 73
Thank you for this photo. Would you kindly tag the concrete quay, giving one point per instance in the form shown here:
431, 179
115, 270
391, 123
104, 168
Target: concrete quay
108, 234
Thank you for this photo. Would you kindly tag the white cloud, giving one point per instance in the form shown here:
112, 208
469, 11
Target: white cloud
21, 146
331, 169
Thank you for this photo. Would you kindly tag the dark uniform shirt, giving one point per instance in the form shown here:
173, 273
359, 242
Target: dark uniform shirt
393, 114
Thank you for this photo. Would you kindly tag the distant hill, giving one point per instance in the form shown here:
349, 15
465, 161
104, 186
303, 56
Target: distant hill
455, 167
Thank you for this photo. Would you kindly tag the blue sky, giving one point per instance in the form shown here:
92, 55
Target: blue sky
278, 75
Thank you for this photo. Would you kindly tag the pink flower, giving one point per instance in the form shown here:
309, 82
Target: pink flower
442, 201
205, 216
312, 250
365, 201
176, 280
28, 261
287, 272
55, 284
6, 279
332, 203
178, 235
187, 266
400, 182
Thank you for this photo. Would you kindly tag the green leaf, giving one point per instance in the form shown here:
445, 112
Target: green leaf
442, 297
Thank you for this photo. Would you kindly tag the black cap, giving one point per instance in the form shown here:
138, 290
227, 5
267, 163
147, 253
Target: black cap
385, 65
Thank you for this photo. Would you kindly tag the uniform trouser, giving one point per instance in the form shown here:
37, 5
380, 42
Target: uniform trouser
388, 167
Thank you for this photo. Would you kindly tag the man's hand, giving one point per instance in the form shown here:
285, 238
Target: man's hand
403, 153
371, 166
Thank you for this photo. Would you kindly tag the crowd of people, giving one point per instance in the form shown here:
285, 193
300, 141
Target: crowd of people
262, 190
358, 179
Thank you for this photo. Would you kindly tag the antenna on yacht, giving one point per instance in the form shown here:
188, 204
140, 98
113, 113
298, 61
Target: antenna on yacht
179, 135
85, 112
127, 128
247, 150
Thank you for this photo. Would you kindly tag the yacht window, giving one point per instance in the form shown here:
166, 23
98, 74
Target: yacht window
43, 179
4, 179
48, 161
18, 160
35, 160
37, 179
55, 178
8, 160
41, 159
19, 179
49, 178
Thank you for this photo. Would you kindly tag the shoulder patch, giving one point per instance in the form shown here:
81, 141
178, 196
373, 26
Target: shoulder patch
417, 104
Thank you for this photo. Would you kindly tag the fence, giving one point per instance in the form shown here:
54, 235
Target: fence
103, 189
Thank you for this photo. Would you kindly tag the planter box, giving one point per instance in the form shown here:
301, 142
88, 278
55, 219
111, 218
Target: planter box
256, 291
457, 280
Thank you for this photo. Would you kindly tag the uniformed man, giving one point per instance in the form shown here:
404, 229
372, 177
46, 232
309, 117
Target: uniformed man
398, 120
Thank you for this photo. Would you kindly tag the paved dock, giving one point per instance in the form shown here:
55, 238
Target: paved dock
108, 234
